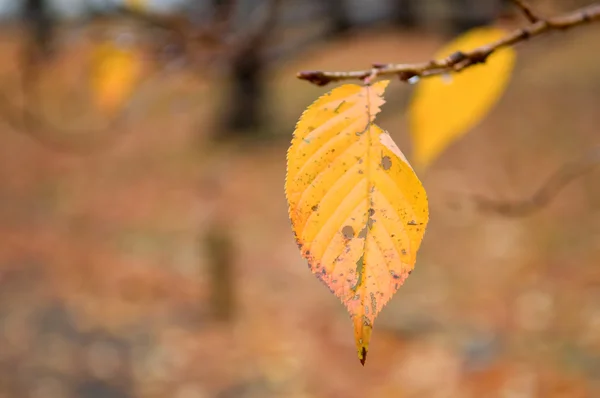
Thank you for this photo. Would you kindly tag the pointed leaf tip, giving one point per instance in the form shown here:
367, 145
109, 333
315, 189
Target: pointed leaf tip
362, 336
363, 358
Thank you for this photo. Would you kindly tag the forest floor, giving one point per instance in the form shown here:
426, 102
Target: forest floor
106, 280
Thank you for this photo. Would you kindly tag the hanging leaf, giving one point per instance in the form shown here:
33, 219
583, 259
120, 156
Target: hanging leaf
357, 208
444, 108
115, 72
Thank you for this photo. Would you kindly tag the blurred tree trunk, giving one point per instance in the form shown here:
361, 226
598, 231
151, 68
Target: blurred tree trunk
38, 47
337, 10
405, 13
221, 266
242, 108
39, 23
223, 11
244, 104
244, 113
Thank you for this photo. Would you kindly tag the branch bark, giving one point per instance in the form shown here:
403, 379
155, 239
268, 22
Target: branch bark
459, 60
527, 11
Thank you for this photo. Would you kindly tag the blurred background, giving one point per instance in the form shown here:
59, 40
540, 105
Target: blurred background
145, 247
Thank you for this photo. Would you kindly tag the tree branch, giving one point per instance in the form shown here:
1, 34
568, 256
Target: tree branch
548, 191
527, 11
459, 60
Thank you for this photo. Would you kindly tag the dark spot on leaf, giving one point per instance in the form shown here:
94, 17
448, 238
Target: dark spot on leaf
403, 251
337, 109
315, 208
359, 270
412, 222
361, 172
363, 233
410, 272
370, 223
348, 232
371, 212
373, 303
358, 133
386, 162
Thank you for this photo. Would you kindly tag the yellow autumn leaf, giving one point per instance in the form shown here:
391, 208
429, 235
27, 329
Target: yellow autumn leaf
444, 108
357, 208
115, 72
138, 5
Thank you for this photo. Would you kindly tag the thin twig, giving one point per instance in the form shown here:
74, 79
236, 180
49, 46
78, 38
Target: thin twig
548, 191
220, 33
459, 60
527, 11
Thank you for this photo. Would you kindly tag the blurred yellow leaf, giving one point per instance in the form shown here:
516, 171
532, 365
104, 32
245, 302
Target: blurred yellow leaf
444, 108
139, 5
115, 72
357, 208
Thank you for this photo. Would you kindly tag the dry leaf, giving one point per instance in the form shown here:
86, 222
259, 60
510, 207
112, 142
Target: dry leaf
446, 107
357, 208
